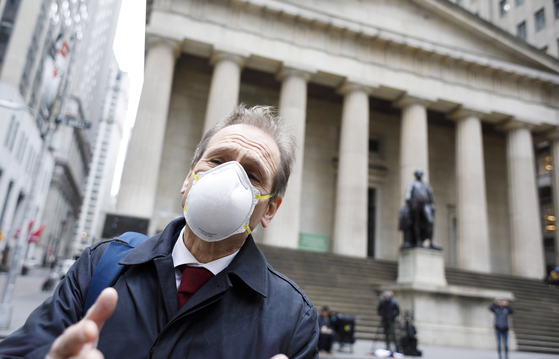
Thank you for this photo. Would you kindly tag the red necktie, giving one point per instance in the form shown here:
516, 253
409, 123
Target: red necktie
193, 278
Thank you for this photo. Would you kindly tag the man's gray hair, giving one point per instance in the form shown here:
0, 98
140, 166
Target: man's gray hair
265, 119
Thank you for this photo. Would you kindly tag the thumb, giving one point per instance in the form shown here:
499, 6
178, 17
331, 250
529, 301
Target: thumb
103, 307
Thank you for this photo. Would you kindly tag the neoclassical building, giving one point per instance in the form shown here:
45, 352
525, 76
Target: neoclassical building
373, 90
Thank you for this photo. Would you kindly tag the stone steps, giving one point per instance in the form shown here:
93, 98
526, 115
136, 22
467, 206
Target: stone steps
352, 286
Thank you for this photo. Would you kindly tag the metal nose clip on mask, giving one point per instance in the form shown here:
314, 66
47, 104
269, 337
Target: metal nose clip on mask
220, 202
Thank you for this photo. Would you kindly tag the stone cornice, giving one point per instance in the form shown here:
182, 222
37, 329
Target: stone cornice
346, 25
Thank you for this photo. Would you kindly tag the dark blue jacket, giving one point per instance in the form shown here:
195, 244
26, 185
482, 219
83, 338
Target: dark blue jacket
246, 311
501, 316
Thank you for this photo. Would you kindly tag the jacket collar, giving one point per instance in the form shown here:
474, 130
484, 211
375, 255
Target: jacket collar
249, 264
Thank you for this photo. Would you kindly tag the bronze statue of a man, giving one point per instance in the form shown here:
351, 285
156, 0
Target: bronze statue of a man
417, 217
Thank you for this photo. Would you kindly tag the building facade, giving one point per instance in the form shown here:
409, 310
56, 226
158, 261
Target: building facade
55, 58
374, 90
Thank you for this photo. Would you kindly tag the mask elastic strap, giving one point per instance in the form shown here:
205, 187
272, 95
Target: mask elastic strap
195, 176
266, 196
247, 228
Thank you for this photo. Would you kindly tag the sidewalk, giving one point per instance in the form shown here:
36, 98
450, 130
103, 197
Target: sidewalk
362, 350
27, 296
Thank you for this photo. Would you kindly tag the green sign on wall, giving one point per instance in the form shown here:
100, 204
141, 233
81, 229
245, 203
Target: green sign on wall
313, 242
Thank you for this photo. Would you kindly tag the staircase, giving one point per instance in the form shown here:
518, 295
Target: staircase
352, 286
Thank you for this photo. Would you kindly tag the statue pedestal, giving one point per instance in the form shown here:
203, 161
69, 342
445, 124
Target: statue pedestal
445, 315
421, 266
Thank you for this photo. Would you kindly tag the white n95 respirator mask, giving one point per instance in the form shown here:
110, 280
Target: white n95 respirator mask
220, 202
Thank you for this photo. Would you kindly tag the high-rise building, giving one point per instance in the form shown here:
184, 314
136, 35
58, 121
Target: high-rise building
534, 21
97, 200
72, 147
56, 63
38, 40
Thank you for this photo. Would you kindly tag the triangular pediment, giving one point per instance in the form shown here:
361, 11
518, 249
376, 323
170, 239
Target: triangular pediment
436, 25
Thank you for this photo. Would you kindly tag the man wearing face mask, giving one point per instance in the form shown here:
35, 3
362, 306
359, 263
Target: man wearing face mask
201, 288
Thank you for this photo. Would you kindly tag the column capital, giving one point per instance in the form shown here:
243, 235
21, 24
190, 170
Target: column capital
408, 99
289, 69
153, 40
462, 113
514, 124
352, 85
221, 53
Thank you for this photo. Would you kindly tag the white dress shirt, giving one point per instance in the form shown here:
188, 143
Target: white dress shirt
181, 255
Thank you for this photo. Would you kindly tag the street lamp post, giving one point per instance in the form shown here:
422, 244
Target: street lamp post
5, 304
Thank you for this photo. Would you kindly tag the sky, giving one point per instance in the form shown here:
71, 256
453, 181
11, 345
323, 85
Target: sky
129, 51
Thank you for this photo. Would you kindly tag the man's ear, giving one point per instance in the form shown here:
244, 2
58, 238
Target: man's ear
185, 183
270, 211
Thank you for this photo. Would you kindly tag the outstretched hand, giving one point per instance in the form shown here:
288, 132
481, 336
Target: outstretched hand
79, 341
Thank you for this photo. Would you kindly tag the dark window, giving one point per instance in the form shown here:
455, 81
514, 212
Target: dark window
556, 8
540, 19
6, 25
374, 145
6, 199
503, 7
521, 30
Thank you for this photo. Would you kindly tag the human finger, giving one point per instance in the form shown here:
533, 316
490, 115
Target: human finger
103, 307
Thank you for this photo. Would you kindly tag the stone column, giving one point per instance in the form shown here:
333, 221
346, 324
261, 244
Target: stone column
224, 89
525, 226
138, 186
350, 226
554, 138
414, 151
283, 231
471, 207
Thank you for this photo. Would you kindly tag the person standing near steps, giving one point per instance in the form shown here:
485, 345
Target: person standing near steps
502, 310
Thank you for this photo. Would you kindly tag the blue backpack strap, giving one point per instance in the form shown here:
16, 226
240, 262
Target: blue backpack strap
108, 269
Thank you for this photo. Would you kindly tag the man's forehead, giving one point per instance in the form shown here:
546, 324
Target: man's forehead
250, 136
